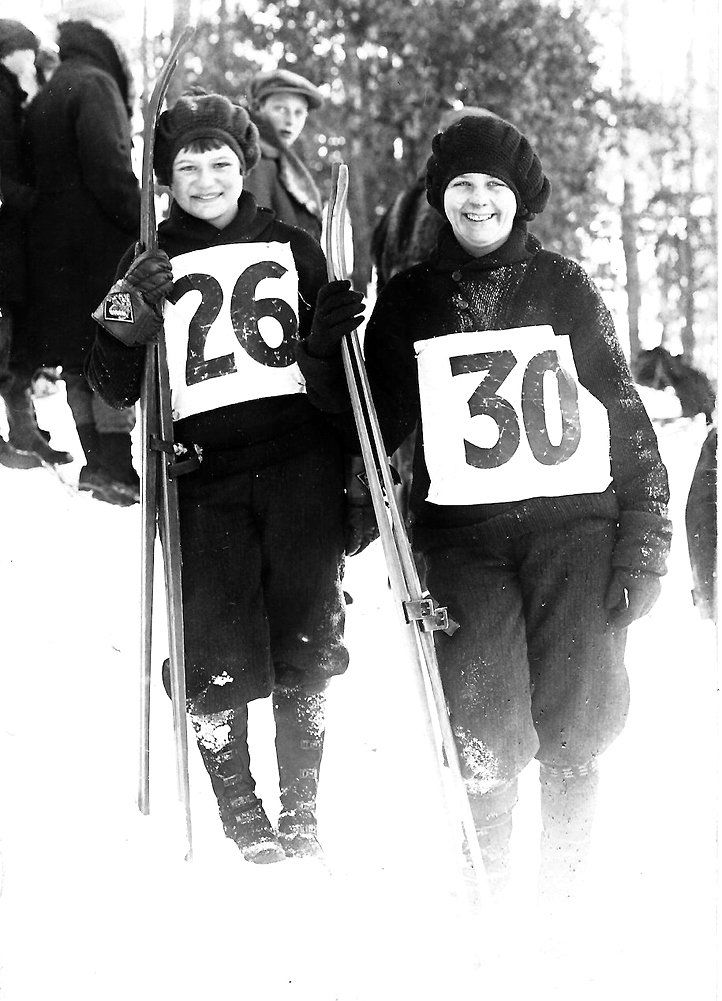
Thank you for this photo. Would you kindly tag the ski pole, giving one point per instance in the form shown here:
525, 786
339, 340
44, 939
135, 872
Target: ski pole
420, 615
159, 492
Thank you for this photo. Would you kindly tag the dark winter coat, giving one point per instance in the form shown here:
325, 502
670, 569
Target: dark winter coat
17, 194
406, 233
78, 141
281, 181
259, 432
519, 285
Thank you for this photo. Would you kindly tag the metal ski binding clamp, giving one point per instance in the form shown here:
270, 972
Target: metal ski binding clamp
430, 616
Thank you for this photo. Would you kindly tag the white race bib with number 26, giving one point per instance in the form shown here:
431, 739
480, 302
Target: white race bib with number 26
231, 326
505, 418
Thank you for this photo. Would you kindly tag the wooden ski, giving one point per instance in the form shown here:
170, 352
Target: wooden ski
159, 497
418, 614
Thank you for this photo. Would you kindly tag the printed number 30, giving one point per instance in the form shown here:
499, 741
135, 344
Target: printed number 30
485, 400
246, 311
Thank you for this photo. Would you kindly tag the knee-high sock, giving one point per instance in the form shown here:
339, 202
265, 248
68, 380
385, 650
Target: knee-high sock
568, 805
300, 729
492, 813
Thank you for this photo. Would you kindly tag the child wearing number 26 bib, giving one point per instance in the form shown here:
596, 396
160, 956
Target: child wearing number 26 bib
539, 500
243, 298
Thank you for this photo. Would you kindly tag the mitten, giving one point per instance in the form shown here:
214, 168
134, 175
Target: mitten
132, 310
630, 595
339, 310
361, 525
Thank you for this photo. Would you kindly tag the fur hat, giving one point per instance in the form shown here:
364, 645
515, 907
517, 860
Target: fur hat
486, 144
15, 37
209, 116
277, 81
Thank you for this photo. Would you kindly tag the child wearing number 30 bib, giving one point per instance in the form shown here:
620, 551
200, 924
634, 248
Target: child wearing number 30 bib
243, 299
539, 500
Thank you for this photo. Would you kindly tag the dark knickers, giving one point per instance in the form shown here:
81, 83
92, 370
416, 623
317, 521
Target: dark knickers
262, 570
534, 668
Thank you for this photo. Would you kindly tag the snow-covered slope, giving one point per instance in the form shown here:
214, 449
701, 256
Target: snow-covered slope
98, 903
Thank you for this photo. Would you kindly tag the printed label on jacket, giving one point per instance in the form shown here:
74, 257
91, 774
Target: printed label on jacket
505, 418
231, 326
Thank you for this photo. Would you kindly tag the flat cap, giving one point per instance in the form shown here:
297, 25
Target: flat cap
277, 81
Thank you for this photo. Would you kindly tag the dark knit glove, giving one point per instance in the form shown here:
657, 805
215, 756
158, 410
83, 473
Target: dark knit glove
630, 595
361, 526
339, 310
151, 274
132, 311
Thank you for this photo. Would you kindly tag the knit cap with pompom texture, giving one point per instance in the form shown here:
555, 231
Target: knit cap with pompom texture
206, 116
486, 144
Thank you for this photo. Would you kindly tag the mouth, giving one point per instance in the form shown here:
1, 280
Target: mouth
476, 217
206, 198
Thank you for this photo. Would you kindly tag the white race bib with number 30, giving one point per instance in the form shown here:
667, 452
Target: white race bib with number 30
505, 418
231, 326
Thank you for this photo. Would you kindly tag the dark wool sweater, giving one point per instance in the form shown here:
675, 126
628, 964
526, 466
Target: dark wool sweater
258, 432
519, 285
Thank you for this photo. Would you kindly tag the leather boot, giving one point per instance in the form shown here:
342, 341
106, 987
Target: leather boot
14, 458
223, 742
300, 730
24, 432
95, 478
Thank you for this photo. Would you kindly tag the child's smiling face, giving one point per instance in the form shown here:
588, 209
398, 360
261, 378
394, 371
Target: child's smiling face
481, 209
208, 184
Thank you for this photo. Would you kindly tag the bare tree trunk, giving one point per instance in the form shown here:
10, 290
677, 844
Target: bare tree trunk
630, 218
687, 263
630, 224
181, 18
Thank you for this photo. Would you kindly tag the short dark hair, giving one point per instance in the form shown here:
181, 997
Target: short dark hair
203, 144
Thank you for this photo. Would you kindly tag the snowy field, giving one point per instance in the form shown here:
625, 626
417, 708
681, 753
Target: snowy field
98, 903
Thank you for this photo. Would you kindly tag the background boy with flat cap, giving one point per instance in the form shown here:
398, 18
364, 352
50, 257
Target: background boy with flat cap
281, 101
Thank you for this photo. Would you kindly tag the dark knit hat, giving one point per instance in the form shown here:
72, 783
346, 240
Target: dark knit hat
277, 81
486, 144
204, 116
15, 37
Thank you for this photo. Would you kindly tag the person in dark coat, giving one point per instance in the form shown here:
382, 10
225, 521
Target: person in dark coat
26, 447
263, 516
78, 141
701, 526
539, 497
281, 181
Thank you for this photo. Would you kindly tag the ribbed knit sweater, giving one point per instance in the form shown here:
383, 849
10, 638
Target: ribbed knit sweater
518, 285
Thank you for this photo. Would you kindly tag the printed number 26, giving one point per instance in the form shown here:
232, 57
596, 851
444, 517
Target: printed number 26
496, 366
246, 311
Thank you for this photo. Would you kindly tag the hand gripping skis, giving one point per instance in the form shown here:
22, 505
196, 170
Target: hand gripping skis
418, 613
159, 494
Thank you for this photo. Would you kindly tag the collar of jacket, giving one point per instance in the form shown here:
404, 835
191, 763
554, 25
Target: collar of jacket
249, 225
450, 256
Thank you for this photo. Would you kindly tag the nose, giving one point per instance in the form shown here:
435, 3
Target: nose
204, 177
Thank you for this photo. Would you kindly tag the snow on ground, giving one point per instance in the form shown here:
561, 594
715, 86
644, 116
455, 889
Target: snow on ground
98, 902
